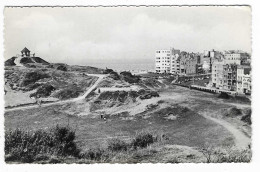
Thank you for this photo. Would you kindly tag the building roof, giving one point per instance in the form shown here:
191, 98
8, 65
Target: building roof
25, 50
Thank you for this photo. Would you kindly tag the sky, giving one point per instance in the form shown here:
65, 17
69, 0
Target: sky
124, 35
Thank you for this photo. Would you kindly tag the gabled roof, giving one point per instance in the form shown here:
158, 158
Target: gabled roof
25, 50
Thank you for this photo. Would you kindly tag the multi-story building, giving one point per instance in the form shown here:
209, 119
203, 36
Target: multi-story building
175, 61
244, 79
206, 63
163, 61
192, 64
230, 77
182, 61
218, 74
234, 57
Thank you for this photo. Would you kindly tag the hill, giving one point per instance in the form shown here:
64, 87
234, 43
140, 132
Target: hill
25, 60
10, 62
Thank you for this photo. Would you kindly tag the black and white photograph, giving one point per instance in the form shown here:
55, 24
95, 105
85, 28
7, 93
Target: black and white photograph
127, 84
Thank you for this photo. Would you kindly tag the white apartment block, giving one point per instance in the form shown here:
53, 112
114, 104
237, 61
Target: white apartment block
163, 61
243, 79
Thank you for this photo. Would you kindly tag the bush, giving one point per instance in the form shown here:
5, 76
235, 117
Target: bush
128, 77
67, 93
62, 68
142, 140
114, 75
233, 112
247, 119
223, 95
149, 95
94, 154
10, 62
32, 77
108, 71
26, 60
26, 146
43, 91
117, 145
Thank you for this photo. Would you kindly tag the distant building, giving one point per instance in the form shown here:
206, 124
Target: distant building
229, 77
243, 79
218, 74
25, 52
235, 57
175, 61
191, 64
163, 61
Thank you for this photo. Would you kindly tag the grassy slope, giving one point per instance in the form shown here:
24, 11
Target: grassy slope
91, 131
194, 130
60, 80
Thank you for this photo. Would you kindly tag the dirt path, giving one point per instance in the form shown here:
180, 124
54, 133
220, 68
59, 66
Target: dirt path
17, 61
100, 78
241, 140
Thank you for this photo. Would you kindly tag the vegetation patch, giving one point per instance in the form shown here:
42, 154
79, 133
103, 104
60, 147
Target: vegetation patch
38, 145
62, 68
223, 96
67, 93
247, 117
10, 62
32, 77
43, 91
128, 77
26, 60
233, 112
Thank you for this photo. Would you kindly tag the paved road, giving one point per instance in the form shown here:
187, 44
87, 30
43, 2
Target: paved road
100, 78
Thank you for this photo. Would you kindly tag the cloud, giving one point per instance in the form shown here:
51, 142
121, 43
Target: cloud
129, 35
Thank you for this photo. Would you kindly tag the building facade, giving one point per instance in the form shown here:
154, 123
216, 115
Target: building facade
163, 61
244, 79
230, 77
217, 75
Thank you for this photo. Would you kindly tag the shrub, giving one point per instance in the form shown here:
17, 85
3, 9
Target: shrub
32, 77
114, 75
26, 60
62, 68
223, 95
149, 95
26, 146
94, 154
108, 71
67, 93
128, 77
43, 91
142, 140
117, 145
10, 62
247, 119
233, 112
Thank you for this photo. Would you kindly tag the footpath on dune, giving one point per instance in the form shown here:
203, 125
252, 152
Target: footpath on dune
100, 78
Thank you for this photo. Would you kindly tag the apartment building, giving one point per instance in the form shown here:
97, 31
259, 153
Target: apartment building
230, 77
192, 64
163, 61
218, 74
236, 57
175, 61
244, 79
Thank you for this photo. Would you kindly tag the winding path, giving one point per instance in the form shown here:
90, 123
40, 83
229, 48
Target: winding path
241, 140
100, 78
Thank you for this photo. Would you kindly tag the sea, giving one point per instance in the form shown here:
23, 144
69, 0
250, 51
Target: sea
149, 67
